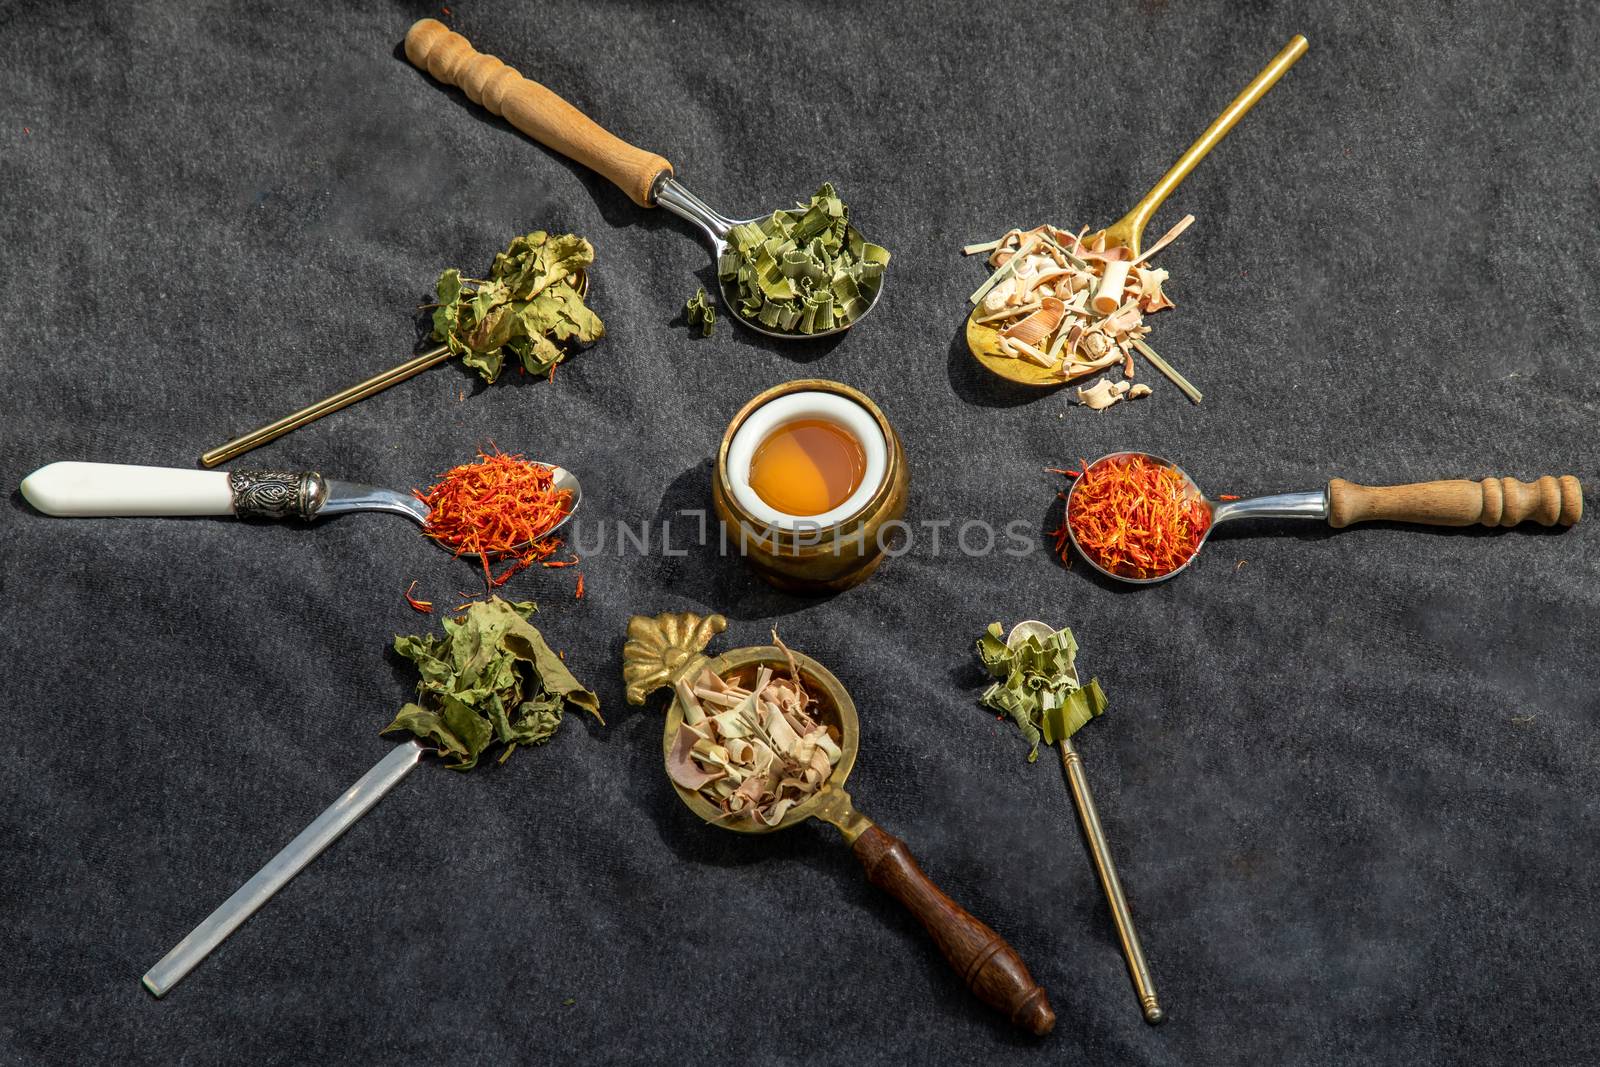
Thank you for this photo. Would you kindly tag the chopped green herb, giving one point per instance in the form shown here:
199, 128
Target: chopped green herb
1039, 685
490, 680
701, 311
529, 302
803, 271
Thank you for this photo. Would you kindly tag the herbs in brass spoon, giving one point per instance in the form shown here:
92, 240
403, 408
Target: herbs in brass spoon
490, 680
530, 306
755, 752
1038, 685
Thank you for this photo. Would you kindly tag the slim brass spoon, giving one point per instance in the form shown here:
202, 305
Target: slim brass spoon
311, 413
1072, 764
104, 490
984, 341
1451, 502
646, 177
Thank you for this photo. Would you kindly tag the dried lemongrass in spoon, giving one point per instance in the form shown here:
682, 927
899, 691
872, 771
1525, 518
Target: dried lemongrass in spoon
1075, 308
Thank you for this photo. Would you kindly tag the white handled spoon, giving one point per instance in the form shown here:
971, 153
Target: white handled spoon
90, 490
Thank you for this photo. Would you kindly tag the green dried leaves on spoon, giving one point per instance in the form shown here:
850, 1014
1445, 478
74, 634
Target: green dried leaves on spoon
491, 679
529, 307
1038, 685
803, 271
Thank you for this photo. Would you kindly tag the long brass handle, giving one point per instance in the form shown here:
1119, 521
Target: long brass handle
1142, 211
1132, 951
272, 431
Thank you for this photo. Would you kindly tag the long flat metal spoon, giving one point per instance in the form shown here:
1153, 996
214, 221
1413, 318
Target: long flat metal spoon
646, 177
1121, 915
99, 490
1450, 502
307, 846
984, 341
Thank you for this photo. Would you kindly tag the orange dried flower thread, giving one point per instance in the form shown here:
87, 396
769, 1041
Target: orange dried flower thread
1134, 518
499, 508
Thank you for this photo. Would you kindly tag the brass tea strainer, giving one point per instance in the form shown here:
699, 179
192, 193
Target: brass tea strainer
665, 648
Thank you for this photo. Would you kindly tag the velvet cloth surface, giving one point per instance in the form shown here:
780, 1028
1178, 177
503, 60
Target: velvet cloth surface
1350, 779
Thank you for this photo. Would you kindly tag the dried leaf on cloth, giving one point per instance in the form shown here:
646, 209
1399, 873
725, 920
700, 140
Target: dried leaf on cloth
491, 679
754, 752
529, 302
1039, 685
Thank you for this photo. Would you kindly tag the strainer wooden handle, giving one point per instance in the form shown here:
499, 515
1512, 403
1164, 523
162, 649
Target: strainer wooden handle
530, 107
991, 968
1458, 502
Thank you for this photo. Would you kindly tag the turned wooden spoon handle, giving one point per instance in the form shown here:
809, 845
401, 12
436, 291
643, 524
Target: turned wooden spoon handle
991, 968
533, 109
1492, 502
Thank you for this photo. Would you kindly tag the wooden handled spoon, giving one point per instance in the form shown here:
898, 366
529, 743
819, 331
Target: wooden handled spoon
1453, 502
646, 177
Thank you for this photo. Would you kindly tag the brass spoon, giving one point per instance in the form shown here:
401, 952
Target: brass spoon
1078, 781
646, 177
102, 490
1128, 231
666, 649
311, 413
1452, 502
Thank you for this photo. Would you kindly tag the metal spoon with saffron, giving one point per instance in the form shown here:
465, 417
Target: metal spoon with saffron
1453, 502
103, 490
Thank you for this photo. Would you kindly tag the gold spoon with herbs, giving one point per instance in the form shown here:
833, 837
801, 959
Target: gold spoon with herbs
759, 739
1061, 307
796, 273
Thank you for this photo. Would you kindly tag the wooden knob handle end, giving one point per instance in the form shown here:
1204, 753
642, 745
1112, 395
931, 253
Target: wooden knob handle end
1491, 502
990, 967
530, 107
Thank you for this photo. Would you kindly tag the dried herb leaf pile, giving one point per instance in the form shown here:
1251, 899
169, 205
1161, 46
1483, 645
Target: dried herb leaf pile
529, 307
754, 752
1038, 685
804, 270
491, 679
702, 312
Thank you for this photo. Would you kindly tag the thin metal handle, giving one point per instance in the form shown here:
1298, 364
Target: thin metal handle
376, 384
1138, 969
322, 832
1217, 131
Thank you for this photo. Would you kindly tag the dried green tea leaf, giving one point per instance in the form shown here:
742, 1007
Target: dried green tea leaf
1039, 686
701, 312
806, 270
529, 301
491, 679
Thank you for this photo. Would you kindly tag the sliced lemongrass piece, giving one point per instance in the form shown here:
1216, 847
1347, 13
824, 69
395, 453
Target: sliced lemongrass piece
1166, 239
1039, 325
1004, 271
986, 246
1010, 312
1023, 350
1166, 368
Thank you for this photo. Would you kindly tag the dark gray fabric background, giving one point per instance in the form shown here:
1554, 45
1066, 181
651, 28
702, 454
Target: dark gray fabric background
1338, 844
